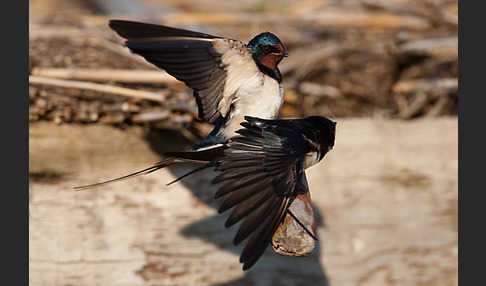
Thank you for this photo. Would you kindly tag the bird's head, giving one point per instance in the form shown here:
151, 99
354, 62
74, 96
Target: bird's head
267, 50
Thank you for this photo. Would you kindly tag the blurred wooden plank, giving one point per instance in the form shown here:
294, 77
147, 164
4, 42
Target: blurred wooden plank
133, 7
330, 19
440, 47
128, 76
422, 92
102, 88
435, 85
345, 18
153, 115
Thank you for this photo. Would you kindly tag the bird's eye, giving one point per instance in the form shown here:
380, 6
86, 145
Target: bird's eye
267, 49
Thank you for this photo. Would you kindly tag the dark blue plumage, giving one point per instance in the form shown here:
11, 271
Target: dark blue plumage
261, 173
264, 43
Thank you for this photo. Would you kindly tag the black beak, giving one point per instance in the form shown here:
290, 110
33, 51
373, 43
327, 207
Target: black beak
282, 54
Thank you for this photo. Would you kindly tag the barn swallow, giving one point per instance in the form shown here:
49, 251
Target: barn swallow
262, 173
230, 79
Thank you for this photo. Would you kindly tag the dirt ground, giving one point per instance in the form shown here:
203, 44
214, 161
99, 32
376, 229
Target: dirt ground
386, 197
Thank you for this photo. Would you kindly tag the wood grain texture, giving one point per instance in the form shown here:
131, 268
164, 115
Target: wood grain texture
385, 198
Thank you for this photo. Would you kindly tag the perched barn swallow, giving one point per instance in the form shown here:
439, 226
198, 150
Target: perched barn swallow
262, 173
230, 79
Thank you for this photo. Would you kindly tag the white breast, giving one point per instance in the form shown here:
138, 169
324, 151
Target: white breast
261, 97
266, 102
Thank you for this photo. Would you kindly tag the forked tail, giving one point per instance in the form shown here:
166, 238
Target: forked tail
208, 156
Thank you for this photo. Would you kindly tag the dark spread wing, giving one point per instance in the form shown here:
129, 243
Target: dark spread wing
192, 57
258, 177
132, 30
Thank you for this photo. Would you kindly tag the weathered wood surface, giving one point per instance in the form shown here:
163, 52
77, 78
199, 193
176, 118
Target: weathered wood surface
386, 198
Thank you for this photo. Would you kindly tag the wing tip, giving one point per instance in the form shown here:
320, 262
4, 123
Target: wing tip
118, 25
134, 29
114, 22
249, 261
246, 266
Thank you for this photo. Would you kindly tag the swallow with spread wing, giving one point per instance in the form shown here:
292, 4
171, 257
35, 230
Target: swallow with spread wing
261, 172
230, 79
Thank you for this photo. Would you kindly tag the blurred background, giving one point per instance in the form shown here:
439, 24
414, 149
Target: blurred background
386, 196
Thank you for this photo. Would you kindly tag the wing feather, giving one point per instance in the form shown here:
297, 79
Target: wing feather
262, 237
258, 176
253, 220
214, 67
243, 209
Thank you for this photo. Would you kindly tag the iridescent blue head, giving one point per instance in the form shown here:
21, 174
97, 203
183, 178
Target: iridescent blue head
267, 51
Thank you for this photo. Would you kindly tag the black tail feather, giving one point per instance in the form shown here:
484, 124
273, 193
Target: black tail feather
160, 165
190, 173
208, 156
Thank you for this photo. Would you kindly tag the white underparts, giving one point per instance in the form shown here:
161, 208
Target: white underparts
262, 97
